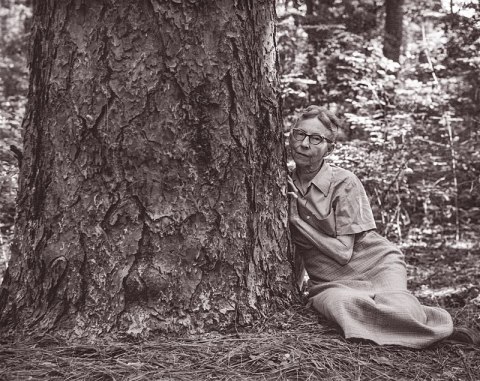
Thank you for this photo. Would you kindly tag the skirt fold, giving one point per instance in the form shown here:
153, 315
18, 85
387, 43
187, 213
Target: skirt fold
385, 317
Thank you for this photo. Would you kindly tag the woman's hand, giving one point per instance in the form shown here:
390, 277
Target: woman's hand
293, 190
294, 195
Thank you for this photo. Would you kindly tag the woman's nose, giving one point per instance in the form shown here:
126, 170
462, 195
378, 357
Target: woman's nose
306, 141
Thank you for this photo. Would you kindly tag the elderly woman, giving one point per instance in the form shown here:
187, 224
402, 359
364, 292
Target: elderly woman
358, 279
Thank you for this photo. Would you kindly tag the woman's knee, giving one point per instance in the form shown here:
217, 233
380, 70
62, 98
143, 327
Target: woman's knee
331, 301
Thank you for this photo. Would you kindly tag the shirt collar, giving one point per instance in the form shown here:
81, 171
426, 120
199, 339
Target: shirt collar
322, 179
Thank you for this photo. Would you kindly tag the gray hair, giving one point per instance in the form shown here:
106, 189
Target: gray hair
326, 117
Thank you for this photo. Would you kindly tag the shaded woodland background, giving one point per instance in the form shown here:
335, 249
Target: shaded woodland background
411, 127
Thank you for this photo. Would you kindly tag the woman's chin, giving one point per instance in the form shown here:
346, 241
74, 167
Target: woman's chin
301, 161
307, 165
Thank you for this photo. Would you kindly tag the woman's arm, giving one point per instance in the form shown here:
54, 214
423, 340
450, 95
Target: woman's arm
339, 248
299, 271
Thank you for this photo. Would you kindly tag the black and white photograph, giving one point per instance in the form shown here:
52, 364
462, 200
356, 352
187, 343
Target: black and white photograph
239, 190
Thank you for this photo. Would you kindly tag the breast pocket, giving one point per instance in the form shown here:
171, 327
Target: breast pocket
325, 225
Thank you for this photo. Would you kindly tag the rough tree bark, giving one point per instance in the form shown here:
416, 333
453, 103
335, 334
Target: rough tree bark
392, 42
151, 195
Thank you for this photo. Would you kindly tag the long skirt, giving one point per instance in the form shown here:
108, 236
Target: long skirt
368, 298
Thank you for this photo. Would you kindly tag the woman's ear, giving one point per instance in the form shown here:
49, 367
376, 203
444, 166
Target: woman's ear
330, 148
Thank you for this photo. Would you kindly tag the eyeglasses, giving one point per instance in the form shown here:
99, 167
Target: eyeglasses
313, 139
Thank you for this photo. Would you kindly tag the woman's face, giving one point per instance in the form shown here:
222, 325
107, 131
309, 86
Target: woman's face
307, 156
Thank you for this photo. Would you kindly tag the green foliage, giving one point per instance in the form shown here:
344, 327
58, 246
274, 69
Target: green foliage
410, 129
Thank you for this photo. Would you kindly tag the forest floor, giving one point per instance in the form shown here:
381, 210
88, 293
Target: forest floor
293, 345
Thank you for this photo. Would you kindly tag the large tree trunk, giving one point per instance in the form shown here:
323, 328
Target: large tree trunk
393, 29
151, 195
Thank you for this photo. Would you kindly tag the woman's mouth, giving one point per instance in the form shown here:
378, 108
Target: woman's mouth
301, 154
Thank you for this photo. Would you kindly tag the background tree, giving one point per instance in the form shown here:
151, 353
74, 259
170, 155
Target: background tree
317, 15
360, 16
151, 194
392, 42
